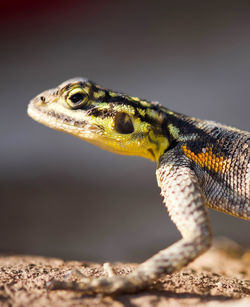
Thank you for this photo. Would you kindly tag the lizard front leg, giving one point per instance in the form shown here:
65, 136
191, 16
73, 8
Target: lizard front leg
186, 205
185, 202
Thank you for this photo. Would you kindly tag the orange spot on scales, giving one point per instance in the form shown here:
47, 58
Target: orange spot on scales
207, 159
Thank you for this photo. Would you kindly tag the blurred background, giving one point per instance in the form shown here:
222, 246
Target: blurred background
65, 198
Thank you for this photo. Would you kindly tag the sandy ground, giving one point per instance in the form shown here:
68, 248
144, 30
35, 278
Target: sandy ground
220, 277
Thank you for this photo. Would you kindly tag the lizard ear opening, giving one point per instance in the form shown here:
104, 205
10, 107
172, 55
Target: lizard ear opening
123, 123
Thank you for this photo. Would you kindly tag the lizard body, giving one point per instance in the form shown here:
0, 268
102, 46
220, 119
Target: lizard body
200, 164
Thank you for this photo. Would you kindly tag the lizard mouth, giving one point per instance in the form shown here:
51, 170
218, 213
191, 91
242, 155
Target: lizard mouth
38, 110
45, 116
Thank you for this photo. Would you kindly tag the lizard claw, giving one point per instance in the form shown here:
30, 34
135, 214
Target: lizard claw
76, 273
50, 285
108, 270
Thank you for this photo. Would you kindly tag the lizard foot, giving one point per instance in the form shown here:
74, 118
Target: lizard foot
103, 285
108, 285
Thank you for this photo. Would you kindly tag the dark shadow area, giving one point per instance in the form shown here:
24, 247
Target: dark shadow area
159, 295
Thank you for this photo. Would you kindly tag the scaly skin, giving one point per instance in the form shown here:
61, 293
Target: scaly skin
199, 164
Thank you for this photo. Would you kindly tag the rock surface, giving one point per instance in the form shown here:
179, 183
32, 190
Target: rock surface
220, 277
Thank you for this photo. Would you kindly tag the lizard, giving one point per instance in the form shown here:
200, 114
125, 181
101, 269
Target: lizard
200, 164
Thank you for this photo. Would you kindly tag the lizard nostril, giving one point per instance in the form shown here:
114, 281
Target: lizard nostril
42, 98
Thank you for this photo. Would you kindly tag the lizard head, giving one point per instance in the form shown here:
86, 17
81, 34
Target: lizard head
111, 120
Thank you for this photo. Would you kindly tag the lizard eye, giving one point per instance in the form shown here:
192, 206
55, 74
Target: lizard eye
123, 123
77, 99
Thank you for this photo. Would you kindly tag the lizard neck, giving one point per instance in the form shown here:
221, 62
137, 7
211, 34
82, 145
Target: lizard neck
177, 127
